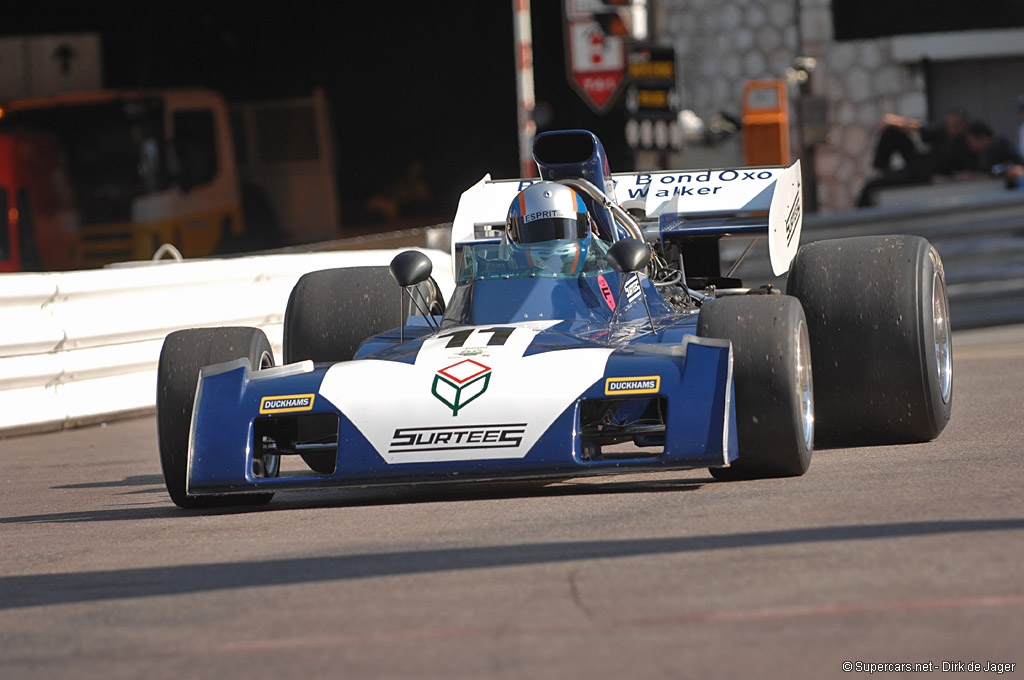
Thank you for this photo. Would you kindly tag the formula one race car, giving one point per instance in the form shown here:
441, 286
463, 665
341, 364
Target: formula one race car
591, 331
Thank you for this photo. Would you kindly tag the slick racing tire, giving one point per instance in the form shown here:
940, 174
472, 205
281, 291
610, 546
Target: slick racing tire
878, 316
330, 312
773, 383
184, 353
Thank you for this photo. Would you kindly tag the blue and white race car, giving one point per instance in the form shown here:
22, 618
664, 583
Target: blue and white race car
590, 331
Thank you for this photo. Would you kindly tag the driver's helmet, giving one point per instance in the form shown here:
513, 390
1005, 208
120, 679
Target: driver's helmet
547, 211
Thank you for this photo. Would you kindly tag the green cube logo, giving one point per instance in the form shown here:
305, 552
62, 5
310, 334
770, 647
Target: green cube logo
459, 384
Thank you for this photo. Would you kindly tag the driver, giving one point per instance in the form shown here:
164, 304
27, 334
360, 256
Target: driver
552, 214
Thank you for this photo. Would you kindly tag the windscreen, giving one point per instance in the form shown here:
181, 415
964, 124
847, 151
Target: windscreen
551, 259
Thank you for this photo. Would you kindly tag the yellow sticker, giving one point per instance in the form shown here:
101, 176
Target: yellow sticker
647, 384
289, 403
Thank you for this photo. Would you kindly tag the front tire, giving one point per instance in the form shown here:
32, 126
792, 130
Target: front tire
773, 384
183, 355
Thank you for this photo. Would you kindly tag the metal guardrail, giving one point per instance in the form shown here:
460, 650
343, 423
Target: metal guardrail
980, 240
78, 347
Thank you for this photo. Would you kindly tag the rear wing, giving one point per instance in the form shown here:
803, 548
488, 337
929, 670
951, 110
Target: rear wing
742, 202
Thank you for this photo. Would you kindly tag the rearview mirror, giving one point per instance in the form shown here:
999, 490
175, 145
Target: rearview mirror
411, 267
629, 255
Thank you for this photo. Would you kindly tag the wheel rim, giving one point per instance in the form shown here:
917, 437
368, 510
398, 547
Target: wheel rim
940, 331
266, 465
803, 368
266, 361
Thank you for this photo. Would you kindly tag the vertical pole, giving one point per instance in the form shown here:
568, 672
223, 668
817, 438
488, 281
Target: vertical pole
524, 84
806, 152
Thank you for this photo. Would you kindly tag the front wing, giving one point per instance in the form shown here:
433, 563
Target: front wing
482, 417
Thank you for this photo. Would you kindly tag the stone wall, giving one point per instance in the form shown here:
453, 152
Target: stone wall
721, 44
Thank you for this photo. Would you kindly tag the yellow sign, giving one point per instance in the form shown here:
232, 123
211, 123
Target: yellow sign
642, 70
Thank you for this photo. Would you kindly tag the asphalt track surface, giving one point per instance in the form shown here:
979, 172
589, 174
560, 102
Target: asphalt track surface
882, 555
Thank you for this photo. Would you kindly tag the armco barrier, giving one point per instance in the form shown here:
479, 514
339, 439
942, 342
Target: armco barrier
79, 347
980, 240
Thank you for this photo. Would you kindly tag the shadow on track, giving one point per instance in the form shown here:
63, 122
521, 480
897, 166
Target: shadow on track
119, 584
360, 497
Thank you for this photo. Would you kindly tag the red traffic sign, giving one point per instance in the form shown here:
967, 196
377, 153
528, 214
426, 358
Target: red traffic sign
597, 63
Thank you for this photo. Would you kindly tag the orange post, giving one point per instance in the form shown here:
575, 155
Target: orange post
765, 123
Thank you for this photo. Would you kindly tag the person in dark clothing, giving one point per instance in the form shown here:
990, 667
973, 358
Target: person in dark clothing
1020, 130
947, 152
993, 152
1014, 175
997, 155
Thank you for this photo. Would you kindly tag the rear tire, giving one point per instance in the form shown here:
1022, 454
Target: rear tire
878, 317
772, 378
184, 353
330, 312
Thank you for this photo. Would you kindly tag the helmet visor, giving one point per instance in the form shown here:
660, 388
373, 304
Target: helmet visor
553, 229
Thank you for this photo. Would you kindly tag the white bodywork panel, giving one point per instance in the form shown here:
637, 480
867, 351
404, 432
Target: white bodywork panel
474, 401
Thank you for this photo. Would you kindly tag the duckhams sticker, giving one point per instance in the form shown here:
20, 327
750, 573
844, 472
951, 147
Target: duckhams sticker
289, 403
648, 384
461, 383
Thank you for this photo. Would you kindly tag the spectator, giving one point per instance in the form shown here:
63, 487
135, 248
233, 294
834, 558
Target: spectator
946, 153
1014, 172
1014, 175
993, 152
997, 155
1020, 134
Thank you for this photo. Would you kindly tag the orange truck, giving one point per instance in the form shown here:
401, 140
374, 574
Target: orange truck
38, 224
176, 166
